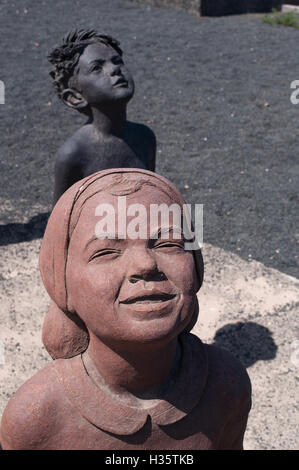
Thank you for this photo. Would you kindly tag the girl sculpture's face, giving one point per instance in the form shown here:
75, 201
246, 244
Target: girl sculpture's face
130, 290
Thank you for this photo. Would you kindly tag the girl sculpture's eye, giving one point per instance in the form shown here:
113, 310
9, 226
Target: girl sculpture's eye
170, 246
105, 254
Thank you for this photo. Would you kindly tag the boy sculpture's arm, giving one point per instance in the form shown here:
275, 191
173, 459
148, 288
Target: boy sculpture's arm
67, 172
153, 147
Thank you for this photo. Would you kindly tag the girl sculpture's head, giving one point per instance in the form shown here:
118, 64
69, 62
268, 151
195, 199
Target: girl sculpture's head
115, 266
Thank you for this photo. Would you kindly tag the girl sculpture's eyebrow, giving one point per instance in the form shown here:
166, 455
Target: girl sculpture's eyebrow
105, 236
177, 231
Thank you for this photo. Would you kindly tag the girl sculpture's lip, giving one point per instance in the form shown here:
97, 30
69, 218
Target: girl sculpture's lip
148, 296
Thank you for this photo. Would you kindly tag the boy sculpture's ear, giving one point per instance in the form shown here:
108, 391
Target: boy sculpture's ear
73, 98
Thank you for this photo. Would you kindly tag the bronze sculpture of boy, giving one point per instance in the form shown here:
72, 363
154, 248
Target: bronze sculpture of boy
90, 76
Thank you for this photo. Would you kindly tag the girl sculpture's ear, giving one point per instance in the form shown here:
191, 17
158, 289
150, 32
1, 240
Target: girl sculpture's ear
64, 334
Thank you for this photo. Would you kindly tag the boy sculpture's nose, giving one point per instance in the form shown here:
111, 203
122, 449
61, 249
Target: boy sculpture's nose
115, 69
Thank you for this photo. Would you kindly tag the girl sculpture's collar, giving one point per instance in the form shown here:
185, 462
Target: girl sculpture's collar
106, 413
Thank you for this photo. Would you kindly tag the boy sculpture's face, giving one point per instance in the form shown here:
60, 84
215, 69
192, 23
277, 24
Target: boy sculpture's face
102, 76
130, 290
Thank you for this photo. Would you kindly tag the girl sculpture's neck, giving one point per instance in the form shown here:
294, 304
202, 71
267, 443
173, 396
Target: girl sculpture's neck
135, 377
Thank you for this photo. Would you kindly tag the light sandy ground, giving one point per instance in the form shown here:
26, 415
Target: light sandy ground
258, 306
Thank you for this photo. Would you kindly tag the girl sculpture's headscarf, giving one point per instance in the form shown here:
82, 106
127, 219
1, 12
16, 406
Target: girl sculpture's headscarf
64, 333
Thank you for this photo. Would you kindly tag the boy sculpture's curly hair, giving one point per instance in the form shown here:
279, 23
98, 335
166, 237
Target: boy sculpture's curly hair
64, 58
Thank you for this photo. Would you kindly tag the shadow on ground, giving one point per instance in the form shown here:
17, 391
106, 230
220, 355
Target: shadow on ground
17, 232
236, 7
248, 341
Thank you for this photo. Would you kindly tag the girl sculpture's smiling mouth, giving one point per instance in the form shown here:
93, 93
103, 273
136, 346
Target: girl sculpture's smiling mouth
149, 301
148, 298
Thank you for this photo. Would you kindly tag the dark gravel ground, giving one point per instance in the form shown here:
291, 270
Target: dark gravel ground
216, 91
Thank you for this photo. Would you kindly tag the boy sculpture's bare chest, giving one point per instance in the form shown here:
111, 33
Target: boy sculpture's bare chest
90, 150
113, 152
132, 149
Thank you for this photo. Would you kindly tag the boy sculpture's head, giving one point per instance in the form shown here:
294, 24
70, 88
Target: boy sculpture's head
125, 289
89, 71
